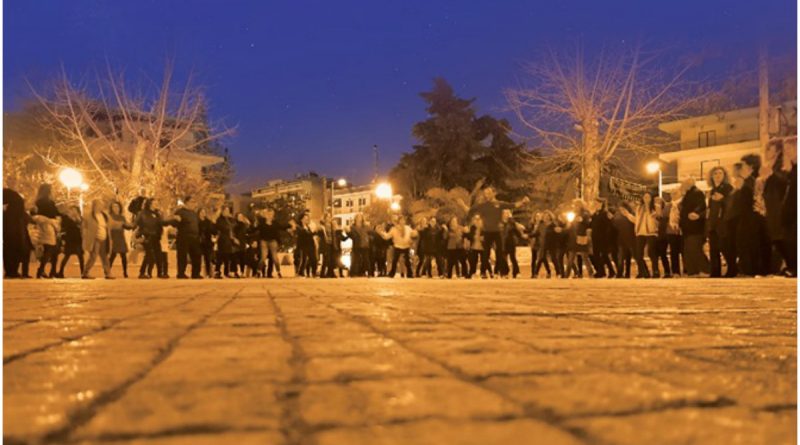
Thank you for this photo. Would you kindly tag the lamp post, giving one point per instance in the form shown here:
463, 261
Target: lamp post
653, 167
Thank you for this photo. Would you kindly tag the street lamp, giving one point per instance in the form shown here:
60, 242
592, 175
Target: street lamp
384, 191
653, 167
570, 216
341, 182
395, 206
71, 178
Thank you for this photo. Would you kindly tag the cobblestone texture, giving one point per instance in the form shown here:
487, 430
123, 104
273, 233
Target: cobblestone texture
397, 362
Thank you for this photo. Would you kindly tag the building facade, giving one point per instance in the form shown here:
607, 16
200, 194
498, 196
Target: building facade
719, 139
309, 188
350, 201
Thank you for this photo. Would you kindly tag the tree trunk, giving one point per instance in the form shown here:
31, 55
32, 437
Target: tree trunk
137, 161
590, 164
763, 101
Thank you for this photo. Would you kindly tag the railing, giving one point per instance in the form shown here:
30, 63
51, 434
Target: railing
719, 140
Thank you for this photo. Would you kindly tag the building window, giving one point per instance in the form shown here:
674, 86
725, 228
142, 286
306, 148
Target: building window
349, 203
362, 201
706, 138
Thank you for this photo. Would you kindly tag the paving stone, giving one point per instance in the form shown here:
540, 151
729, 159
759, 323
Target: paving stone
383, 361
434, 432
392, 400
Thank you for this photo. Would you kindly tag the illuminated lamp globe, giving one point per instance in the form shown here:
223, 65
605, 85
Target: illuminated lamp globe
70, 177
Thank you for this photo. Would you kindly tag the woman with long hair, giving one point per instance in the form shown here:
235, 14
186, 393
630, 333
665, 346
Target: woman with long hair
117, 225
661, 243
48, 220
718, 235
206, 227
579, 241
646, 230
546, 241
456, 255
225, 240
150, 227
750, 229
476, 244
71, 238
96, 238
358, 232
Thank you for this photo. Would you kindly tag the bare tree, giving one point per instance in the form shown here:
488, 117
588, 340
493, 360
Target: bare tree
582, 112
127, 143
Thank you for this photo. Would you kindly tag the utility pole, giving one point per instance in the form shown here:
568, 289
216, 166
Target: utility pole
763, 100
375, 160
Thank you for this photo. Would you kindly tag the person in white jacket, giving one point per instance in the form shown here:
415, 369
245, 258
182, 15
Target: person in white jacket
401, 235
646, 229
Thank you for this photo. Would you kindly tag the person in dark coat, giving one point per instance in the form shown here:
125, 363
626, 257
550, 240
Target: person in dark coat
626, 239
789, 208
750, 227
775, 186
307, 247
510, 237
150, 227
601, 241
206, 242
718, 234
546, 240
693, 222
71, 238
187, 239
16, 242
359, 233
223, 228
428, 246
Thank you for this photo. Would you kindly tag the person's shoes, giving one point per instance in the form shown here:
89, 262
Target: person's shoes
164, 276
144, 277
182, 277
668, 276
197, 277
125, 274
87, 277
548, 276
26, 277
109, 277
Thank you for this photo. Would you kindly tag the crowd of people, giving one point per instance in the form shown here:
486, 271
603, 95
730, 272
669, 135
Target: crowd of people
744, 225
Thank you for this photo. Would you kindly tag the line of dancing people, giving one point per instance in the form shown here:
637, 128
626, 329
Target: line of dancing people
747, 219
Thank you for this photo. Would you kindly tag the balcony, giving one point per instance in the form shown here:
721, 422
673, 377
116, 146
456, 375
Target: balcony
704, 139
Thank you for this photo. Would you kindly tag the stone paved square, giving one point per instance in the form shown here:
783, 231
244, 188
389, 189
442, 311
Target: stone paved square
380, 361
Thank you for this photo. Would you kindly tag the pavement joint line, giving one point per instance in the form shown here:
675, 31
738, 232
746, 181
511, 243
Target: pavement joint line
109, 325
292, 425
528, 410
189, 430
83, 415
717, 402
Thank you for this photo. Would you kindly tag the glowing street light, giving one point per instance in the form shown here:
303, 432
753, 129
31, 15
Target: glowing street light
341, 182
384, 191
395, 206
653, 167
71, 178
570, 216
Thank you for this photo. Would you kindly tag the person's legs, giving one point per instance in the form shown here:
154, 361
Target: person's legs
653, 255
124, 257
473, 262
111, 259
182, 248
641, 244
103, 254
715, 249
407, 261
395, 257
195, 255
92, 258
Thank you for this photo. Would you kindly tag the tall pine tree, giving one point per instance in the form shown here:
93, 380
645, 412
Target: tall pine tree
456, 148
